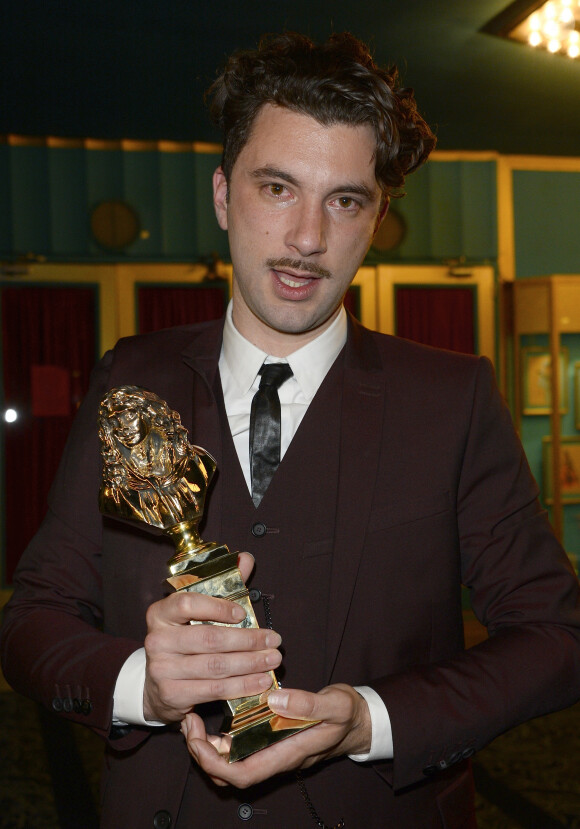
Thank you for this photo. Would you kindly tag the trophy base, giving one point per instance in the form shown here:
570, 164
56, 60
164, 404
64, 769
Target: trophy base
264, 729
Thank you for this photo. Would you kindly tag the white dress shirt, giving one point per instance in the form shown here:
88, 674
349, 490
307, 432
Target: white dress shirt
239, 364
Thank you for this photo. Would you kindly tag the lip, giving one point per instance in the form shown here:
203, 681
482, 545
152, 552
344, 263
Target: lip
297, 275
304, 289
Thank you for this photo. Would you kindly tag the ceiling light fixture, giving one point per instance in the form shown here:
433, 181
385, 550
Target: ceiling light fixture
553, 26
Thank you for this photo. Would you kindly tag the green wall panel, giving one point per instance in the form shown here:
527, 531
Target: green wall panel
478, 186
68, 214
546, 215
141, 188
105, 182
416, 210
5, 201
178, 203
30, 200
451, 212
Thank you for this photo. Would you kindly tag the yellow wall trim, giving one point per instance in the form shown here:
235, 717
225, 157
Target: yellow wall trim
126, 144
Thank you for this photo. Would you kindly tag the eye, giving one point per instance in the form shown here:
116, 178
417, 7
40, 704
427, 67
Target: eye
345, 203
276, 189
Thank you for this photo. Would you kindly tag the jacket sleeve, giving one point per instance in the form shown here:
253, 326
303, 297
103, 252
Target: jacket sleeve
53, 647
522, 589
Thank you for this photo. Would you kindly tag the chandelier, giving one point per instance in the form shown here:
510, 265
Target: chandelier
553, 26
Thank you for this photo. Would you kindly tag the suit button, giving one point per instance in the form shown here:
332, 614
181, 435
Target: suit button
255, 595
469, 752
429, 770
86, 707
57, 704
67, 705
162, 820
258, 529
245, 811
76, 705
455, 757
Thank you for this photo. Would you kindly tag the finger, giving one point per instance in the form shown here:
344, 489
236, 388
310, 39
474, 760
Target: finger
168, 700
246, 564
196, 736
193, 725
215, 666
180, 608
299, 705
302, 705
211, 639
280, 757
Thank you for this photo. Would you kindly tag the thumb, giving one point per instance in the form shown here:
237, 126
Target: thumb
297, 705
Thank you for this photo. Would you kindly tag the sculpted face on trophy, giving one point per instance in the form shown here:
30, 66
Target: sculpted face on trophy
151, 471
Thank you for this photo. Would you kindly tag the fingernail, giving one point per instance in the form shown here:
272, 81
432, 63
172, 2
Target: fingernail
238, 612
272, 659
264, 681
278, 700
273, 640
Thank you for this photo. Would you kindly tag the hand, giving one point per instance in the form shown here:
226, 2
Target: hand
189, 664
344, 728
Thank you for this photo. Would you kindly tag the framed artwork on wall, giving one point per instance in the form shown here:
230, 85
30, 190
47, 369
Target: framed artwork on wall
569, 469
577, 395
536, 381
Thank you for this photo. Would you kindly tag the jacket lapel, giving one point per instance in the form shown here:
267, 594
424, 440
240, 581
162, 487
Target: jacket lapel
361, 431
202, 356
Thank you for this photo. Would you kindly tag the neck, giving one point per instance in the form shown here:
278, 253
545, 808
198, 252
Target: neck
274, 342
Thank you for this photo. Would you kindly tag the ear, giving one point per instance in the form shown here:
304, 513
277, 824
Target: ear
220, 198
382, 214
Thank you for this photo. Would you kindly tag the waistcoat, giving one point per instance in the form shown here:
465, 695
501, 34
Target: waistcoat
291, 533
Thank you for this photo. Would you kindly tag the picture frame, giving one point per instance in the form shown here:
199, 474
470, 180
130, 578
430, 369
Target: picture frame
536, 381
569, 469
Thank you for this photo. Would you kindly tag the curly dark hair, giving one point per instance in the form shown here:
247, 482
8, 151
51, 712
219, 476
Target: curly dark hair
336, 82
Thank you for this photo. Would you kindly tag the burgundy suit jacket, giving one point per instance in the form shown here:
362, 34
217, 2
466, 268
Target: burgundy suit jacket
434, 491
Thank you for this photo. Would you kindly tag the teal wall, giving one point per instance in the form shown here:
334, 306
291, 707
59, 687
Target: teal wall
47, 194
546, 217
451, 213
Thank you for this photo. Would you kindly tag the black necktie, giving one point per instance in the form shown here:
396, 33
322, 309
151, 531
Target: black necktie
265, 428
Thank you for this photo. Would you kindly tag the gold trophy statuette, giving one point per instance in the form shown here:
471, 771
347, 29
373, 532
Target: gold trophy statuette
152, 474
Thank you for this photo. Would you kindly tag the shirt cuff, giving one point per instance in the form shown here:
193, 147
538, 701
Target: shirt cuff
381, 734
128, 696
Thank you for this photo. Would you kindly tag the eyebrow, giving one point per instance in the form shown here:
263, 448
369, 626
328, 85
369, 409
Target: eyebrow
275, 172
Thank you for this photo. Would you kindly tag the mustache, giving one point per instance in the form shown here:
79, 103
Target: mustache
298, 265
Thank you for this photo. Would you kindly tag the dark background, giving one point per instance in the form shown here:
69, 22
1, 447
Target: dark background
138, 68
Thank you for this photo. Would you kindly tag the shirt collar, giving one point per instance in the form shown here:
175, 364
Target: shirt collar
310, 363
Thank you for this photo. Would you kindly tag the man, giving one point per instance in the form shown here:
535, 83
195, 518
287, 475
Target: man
401, 478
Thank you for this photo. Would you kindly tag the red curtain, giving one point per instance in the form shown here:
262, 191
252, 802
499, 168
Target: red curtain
48, 351
161, 306
442, 317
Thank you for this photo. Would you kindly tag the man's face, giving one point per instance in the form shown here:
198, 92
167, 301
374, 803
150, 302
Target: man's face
301, 211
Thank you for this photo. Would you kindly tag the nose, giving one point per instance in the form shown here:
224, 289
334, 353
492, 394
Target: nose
307, 232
